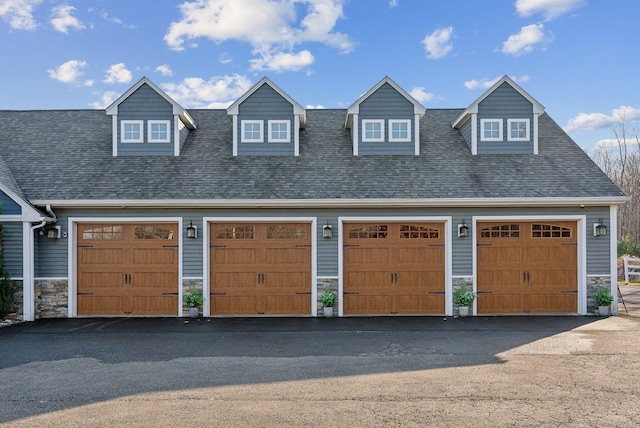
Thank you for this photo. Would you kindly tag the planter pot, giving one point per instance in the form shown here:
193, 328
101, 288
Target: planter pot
603, 311
464, 311
194, 313
328, 311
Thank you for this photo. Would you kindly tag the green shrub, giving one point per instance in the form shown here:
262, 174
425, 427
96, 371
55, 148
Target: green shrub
464, 297
603, 297
194, 299
328, 297
628, 247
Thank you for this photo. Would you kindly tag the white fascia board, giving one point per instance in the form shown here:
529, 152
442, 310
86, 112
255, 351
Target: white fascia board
333, 203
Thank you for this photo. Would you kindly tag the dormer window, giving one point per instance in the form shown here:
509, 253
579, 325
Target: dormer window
518, 129
131, 131
373, 130
158, 131
399, 130
490, 129
279, 131
252, 131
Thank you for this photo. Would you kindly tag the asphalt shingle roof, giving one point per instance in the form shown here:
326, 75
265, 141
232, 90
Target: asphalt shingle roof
67, 155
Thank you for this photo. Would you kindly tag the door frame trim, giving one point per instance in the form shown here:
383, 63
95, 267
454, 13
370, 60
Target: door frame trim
581, 229
72, 224
448, 266
207, 221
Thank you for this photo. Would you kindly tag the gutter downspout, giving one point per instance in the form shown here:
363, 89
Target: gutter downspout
28, 277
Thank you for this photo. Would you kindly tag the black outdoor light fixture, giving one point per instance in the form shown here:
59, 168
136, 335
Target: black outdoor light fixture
192, 231
463, 230
326, 231
53, 232
599, 229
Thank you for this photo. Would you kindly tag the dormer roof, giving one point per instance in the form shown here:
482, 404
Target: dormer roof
177, 108
233, 109
473, 108
418, 108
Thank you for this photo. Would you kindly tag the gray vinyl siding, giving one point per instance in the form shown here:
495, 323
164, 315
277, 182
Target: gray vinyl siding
184, 133
266, 104
8, 206
51, 255
465, 130
386, 103
505, 103
12, 248
145, 104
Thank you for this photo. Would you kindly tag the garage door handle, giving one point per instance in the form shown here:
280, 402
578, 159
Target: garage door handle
84, 294
217, 294
351, 292
304, 292
170, 294
570, 291
437, 292
484, 292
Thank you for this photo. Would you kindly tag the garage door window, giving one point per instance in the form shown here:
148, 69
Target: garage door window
370, 232
237, 232
103, 233
152, 232
284, 232
549, 231
410, 231
501, 231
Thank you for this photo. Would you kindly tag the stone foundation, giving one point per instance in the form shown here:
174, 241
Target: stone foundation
593, 284
320, 286
51, 298
458, 283
188, 284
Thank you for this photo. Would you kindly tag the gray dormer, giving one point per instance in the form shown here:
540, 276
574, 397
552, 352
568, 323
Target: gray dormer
147, 122
266, 122
504, 120
385, 121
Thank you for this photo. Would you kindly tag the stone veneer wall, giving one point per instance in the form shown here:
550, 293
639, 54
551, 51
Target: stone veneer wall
593, 284
187, 284
320, 286
459, 283
52, 298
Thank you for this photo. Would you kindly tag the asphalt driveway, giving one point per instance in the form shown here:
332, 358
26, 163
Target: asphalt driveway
406, 371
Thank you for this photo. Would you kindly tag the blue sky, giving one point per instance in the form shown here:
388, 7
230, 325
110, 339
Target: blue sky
579, 58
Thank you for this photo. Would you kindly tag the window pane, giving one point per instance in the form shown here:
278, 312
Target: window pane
252, 131
399, 131
518, 129
159, 131
373, 130
131, 131
279, 131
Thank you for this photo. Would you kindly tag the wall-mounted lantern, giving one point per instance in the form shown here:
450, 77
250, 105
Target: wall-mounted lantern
463, 230
192, 231
53, 232
599, 229
326, 231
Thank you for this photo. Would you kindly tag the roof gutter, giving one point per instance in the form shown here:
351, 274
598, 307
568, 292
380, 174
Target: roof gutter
330, 203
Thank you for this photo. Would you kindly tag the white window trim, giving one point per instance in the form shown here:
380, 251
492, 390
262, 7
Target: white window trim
243, 138
131, 122
365, 122
526, 130
279, 140
482, 124
394, 121
158, 122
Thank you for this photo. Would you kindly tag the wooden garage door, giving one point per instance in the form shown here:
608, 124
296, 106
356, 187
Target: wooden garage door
394, 268
527, 267
127, 269
260, 268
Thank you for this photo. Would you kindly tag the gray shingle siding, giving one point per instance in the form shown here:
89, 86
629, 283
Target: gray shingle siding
266, 104
145, 104
386, 103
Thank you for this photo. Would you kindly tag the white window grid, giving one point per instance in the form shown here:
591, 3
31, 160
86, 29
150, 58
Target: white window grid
518, 129
491, 129
131, 131
373, 130
252, 131
159, 131
279, 131
399, 130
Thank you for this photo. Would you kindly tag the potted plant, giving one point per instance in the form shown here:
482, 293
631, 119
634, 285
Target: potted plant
603, 300
464, 299
193, 300
328, 300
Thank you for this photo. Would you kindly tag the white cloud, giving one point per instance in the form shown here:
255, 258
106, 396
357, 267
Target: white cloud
105, 100
19, 13
526, 40
118, 73
550, 9
420, 94
115, 20
270, 26
437, 43
318, 106
217, 92
487, 83
62, 19
281, 61
165, 70
393, 3
593, 121
224, 58
69, 72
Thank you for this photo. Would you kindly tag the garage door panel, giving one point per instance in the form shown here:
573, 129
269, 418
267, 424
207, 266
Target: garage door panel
366, 256
427, 257
233, 279
496, 254
355, 280
557, 254
367, 305
100, 305
554, 303
432, 281
500, 303
411, 304
154, 256
234, 305
154, 305
286, 304
287, 255
287, 279
156, 280
500, 278
88, 281
100, 256
554, 278
231, 256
